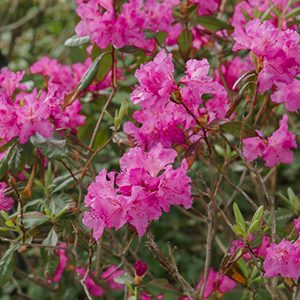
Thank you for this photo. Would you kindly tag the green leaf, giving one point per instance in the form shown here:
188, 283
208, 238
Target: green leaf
53, 147
253, 227
76, 41
7, 264
212, 23
185, 41
239, 219
89, 75
51, 239
258, 215
120, 115
34, 219
235, 128
238, 229
105, 67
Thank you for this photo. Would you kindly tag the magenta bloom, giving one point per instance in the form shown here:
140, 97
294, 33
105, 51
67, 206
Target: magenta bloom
278, 50
105, 26
10, 81
140, 268
161, 119
146, 185
288, 94
216, 283
108, 275
33, 115
207, 7
94, 289
6, 203
63, 260
233, 69
156, 80
276, 149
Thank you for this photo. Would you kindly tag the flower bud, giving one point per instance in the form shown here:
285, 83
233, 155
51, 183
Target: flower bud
140, 271
140, 268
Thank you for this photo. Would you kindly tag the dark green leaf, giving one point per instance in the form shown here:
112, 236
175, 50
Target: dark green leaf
212, 23
235, 128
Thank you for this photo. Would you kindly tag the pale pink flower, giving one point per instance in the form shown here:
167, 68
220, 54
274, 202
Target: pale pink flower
288, 94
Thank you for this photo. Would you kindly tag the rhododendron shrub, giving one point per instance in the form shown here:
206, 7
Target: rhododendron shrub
149, 149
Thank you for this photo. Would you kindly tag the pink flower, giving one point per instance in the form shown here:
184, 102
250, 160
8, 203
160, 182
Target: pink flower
10, 81
107, 209
282, 259
94, 289
233, 69
146, 185
105, 26
288, 94
6, 203
199, 39
63, 260
162, 117
216, 283
207, 7
32, 116
279, 145
254, 147
155, 78
278, 50
276, 149
108, 275
8, 118
259, 251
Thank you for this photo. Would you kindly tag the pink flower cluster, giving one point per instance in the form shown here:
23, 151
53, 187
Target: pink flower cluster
274, 150
277, 51
6, 203
169, 113
27, 114
246, 10
108, 276
146, 186
106, 26
284, 258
